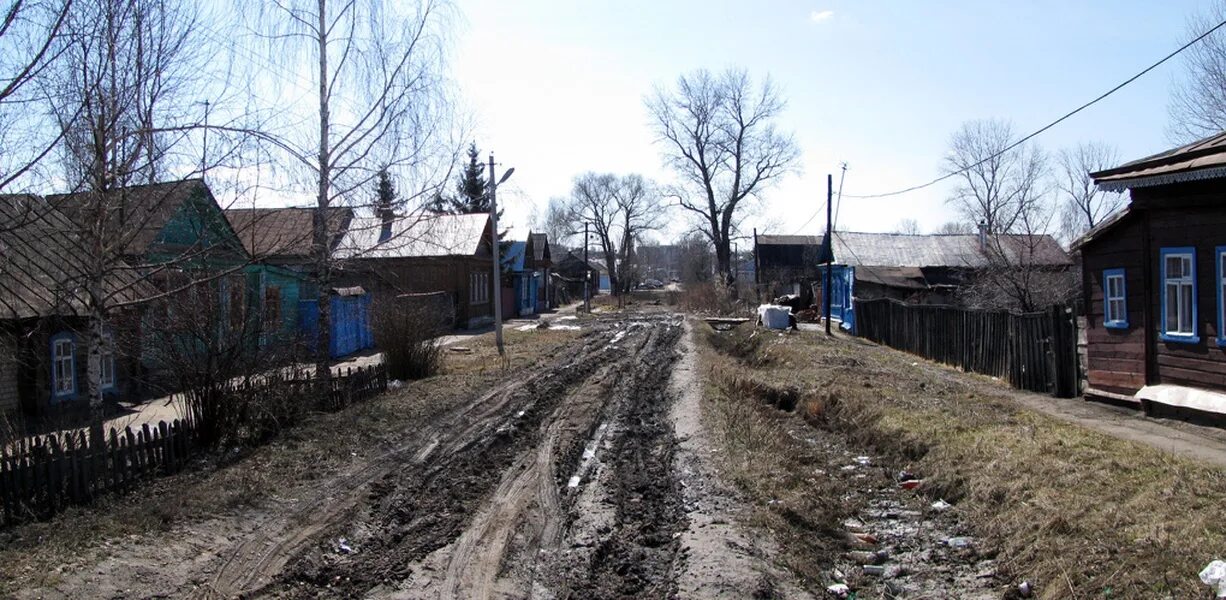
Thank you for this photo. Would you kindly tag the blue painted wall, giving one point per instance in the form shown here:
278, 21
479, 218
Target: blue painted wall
350, 317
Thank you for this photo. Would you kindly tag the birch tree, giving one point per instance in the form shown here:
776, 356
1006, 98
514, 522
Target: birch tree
719, 136
378, 103
29, 36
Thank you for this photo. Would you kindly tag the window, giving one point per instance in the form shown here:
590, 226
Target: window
108, 362
63, 366
478, 288
1115, 304
1220, 267
272, 308
1179, 295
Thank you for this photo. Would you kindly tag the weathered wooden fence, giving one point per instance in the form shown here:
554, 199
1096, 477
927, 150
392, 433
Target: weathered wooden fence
1032, 351
41, 475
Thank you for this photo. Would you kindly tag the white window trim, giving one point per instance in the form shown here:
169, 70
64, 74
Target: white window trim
108, 362
1186, 280
478, 288
56, 359
1110, 319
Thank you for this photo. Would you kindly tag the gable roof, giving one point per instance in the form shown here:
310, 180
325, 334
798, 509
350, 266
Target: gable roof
941, 250
42, 264
1202, 159
285, 232
540, 247
418, 235
513, 254
141, 211
1096, 232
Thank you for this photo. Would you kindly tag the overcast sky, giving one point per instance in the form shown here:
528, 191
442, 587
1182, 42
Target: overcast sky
557, 88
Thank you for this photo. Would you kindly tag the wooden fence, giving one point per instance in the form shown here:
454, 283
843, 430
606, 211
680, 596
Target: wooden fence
1032, 351
41, 475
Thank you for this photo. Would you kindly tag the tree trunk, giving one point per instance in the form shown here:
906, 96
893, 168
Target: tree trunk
323, 265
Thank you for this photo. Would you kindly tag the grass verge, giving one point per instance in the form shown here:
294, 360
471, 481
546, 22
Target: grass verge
1078, 513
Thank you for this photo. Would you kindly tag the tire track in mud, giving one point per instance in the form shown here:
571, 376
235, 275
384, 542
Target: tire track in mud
412, 512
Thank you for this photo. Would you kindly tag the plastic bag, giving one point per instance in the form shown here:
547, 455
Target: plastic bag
1214, 576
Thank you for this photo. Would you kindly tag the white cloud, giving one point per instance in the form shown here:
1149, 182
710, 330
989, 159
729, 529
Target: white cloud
818, 16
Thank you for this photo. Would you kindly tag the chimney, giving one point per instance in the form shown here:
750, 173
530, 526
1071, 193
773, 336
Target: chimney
386, 217
983, 236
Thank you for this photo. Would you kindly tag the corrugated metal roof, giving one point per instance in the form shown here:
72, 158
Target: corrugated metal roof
1202, 159
43, 264
940, 250
284, 232
417, 235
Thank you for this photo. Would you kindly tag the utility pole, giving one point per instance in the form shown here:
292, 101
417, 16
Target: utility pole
829, 243
496, 296
587, 274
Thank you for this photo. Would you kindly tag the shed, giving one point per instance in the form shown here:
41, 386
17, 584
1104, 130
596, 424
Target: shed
786, 264
922, 269
1153, 282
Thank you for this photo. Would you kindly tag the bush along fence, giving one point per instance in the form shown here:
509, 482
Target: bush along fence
42, 475
1032, 351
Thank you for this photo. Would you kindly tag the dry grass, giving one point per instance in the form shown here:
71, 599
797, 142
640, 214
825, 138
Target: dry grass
1080, 513
323, 446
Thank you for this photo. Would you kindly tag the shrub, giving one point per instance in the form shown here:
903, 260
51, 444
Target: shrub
407, 332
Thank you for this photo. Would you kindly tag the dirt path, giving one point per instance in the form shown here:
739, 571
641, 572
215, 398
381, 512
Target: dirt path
723, 558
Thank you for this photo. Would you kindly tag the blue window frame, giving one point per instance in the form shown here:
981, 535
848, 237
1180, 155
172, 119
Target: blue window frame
1115, 299
63, 366
1179, 316
1219, 269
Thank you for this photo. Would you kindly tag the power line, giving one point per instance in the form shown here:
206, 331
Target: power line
1053, 123
838, 203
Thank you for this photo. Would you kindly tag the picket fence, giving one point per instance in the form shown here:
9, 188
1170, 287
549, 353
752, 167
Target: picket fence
44, 474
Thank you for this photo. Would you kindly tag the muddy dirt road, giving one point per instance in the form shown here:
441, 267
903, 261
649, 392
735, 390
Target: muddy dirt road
561, 483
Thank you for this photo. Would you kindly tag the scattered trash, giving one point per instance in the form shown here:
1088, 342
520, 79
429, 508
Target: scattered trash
873, 570
1214, 576
863, 461
906, 476
849, 467
343, 546
911, 484
958, 542
868, 557
915, 364
866, 538
460, 349
1026, 590
941, 506
574, 482
395, 384
854, 524
839, 590
774, 317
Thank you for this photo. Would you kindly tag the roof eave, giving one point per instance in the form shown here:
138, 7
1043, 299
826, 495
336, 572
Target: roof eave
1124, 184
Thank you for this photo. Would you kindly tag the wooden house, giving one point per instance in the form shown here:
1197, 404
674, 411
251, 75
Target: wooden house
542, 263
571, 272
1154, 282
450, 256
43, 310
786, 264
280, 243
176, 236
923, 269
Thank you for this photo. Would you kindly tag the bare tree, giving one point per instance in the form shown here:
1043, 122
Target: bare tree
121, 65
719, 136
907, 226
1198, 103
1025, 270
29, 32
639, 211
556, 223
1083, 204
593, 200
380, 105
954, 227
995, 188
